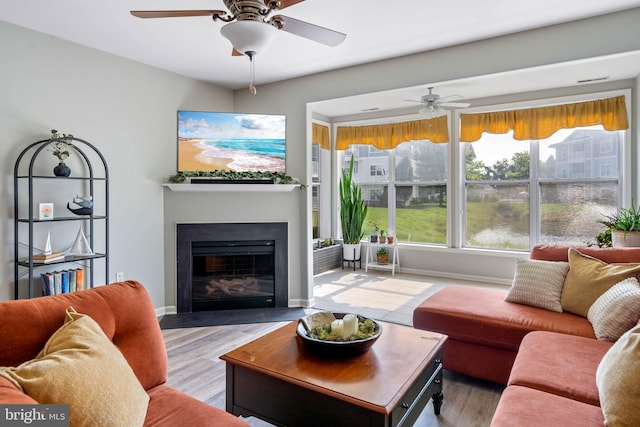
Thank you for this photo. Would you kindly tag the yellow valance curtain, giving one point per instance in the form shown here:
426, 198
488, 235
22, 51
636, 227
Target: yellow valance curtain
388, 136
540, 123
320, 135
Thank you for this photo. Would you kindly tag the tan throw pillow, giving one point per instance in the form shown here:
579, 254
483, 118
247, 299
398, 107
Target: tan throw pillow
80, 366
616, 311
588, 278
617, 381
538, 283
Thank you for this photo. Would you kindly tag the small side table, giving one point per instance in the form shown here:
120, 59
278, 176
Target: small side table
371, 262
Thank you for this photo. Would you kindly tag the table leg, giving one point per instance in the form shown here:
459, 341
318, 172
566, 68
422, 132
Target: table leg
437, 402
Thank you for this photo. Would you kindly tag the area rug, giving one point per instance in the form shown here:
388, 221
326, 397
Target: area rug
231, 317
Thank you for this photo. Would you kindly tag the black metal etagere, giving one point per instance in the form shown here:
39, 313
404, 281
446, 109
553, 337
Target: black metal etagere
86, 152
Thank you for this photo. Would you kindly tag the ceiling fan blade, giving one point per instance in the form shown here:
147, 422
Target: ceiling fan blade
310, 31
454, 104
286, 3
175, 13
413, 100
450, 98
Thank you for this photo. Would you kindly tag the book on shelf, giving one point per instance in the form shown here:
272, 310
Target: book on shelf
45, 258
62, 282
47, 284
72, 280
57, 282
79, 279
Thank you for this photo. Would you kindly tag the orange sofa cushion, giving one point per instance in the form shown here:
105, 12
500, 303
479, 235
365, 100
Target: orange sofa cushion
525, 407
609, 255
545, 359
482, 316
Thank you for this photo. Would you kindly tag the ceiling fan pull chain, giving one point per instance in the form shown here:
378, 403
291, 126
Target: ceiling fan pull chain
252, 73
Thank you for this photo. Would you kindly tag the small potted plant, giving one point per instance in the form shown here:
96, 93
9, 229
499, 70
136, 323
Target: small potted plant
373, 238
390, 237
60, 147
382, 255
383, 238
625, 227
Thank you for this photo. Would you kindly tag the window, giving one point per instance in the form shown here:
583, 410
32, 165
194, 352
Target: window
417, 187
511, 204
376, 170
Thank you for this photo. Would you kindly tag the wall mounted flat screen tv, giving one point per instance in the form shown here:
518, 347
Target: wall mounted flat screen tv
209, 141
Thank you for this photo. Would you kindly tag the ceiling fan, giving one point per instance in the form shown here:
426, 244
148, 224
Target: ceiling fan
251, 25
433, 105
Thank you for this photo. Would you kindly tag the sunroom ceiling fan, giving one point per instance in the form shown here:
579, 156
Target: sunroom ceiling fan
433, 105
251, 26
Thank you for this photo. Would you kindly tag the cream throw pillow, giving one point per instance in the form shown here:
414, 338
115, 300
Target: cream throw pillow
80, 366
588, 278
538, 283
616, 311
617, 381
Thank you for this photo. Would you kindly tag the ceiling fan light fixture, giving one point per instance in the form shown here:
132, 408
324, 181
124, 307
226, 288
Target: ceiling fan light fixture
249, 36
431, 111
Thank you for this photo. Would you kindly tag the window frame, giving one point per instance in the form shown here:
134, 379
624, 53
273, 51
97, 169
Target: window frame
624, 164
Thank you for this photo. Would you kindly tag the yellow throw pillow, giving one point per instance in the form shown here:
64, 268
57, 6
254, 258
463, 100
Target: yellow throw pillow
80, 366
617, 381
588, 278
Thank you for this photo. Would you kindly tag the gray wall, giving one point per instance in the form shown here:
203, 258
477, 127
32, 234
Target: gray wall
128, 111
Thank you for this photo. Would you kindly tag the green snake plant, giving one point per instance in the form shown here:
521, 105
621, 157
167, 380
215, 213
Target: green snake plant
353, 208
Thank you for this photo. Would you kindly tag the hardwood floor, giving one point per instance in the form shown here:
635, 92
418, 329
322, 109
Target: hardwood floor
195, 368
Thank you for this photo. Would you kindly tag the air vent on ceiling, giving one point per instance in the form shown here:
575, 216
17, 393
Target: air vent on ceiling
595, 79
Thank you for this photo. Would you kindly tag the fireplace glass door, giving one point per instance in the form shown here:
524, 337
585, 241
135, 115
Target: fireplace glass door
233, 274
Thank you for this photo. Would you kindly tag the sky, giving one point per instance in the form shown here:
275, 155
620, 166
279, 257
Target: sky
202, 124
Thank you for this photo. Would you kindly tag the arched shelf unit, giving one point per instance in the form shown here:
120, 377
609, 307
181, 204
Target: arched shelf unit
34, 182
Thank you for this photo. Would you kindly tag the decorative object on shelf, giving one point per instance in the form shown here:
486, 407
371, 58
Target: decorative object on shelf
47, 245
625, 227
45, 211
60, 147
382, 255
383, 238
353, 211
83, 205
81, 245
242, 177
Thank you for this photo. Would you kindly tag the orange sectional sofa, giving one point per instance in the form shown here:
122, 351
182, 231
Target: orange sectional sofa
547, 359
126, 315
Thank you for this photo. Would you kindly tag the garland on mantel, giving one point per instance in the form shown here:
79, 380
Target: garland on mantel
276, 177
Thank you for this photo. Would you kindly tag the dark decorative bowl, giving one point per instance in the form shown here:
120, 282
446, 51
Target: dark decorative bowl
338, 348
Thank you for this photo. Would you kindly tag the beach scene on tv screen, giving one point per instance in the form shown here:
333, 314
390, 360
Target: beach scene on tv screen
209, 141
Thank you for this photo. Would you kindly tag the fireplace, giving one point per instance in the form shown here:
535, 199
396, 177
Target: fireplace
231, 266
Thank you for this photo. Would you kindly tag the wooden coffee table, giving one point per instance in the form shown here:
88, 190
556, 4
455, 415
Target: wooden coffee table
276, 378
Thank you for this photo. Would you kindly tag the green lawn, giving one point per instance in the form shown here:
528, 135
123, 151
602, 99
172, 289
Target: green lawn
427, 223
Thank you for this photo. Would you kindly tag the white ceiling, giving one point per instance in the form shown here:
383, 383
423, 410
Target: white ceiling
375, 30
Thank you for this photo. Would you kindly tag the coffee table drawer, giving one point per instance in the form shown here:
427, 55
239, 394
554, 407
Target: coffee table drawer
416, 398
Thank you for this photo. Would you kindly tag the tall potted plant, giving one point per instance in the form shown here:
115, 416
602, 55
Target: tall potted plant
353, 211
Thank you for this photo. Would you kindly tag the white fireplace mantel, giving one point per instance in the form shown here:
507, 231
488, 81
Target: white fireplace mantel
236, 188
